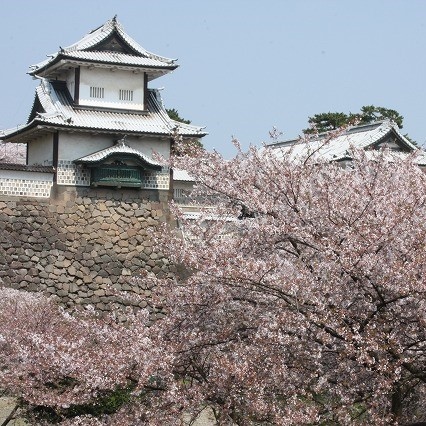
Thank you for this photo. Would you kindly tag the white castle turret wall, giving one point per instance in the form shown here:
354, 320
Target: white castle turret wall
110, 82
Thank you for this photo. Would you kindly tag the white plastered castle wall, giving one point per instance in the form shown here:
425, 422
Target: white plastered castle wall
111, 81
40, 151
70, 79
150, 146
72, 146
78, 144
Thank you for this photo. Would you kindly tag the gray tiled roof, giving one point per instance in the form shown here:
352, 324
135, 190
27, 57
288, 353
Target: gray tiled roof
115, 58
26, 168
182, 175
61, 112
339, 147
85, 49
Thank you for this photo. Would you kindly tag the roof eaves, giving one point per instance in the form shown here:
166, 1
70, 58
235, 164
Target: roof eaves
403, 138
184, 129
70, 57
7, 134
26, 168
140, 49
41, 66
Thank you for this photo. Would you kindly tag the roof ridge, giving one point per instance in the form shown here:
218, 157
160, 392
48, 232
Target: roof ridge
96, 37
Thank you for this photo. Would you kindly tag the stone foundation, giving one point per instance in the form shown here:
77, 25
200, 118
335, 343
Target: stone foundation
82, 245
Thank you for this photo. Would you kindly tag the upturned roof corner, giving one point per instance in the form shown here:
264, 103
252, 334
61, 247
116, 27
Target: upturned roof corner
108, 44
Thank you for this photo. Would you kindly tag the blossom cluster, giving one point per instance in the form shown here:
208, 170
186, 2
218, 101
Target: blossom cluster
300, 301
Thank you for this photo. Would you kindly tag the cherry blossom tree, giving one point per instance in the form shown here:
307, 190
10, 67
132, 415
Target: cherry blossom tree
305, 297
300, 299
64, 365
12, 153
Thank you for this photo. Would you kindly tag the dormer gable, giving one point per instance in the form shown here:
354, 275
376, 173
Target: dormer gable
114, 43
36, 109
394, 142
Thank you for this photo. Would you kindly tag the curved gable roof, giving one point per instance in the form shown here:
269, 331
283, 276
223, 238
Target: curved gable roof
108, 44
119, 151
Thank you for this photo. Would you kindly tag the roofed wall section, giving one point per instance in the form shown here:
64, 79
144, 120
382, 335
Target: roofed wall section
70, 174
19, 181
34, 184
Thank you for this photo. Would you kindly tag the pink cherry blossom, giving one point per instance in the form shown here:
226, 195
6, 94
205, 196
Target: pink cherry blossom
300, 299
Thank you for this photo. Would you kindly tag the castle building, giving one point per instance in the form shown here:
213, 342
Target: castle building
371, 137
94, 121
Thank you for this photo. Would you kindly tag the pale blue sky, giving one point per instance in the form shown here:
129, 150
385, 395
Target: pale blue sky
245, 65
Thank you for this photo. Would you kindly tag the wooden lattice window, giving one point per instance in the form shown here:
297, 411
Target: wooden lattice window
119, 176
97, 92
125, 95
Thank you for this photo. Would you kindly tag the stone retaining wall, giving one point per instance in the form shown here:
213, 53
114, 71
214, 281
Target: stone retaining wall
82, 245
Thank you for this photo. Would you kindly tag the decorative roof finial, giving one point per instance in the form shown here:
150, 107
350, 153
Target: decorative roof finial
122, 141
114, 20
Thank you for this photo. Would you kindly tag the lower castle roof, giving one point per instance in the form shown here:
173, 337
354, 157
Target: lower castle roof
54, 108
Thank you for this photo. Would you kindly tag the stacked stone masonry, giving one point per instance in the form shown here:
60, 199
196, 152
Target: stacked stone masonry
83, 248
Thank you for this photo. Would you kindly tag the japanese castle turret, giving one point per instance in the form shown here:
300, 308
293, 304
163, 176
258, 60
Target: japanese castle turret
95, 122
